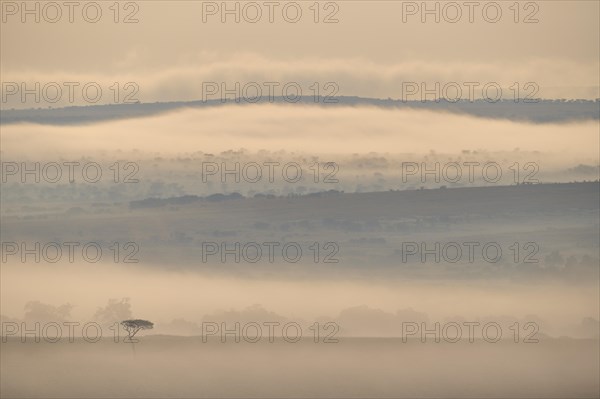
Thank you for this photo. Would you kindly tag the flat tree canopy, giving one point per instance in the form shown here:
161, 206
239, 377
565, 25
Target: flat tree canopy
133, 326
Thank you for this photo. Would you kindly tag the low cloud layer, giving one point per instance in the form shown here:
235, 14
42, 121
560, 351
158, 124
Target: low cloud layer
311, 130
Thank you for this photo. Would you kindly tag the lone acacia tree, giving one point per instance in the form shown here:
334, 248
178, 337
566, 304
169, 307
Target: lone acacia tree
133, 326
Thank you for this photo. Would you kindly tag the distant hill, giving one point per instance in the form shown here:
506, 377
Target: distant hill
544, 111
492, 201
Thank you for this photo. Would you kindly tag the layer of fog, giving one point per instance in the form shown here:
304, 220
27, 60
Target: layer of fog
370, 308
164, 367
310, 130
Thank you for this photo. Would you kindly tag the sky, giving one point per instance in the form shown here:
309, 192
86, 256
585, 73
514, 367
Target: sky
372, 49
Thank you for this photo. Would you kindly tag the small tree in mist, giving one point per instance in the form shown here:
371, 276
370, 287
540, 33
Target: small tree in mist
134, 326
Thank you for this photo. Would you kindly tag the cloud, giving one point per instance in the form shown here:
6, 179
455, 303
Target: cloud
352, 76
339, 130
